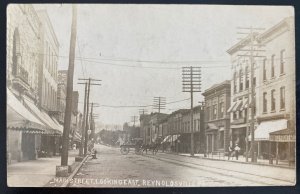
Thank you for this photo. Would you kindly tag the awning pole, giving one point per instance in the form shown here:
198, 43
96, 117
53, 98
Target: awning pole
276, 152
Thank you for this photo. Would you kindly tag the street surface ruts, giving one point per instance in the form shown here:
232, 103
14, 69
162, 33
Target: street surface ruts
112, 169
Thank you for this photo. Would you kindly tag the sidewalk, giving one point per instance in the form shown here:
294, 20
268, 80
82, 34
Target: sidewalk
241, 159
35, 173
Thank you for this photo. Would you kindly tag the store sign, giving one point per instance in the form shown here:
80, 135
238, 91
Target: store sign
283, 138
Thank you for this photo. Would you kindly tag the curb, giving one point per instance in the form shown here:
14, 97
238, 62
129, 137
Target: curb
66, 183
258, 164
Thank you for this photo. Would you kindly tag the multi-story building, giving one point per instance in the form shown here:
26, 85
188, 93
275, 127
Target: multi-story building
61, 94
217, 119
154, 121
274, 83
48, 58
241, 86
23, 47
276, 95
145, 127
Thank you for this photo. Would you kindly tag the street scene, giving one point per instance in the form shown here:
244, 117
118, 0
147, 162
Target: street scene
112, 95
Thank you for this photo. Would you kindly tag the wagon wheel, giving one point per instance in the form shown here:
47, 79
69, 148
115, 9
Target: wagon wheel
124, 150
138, 151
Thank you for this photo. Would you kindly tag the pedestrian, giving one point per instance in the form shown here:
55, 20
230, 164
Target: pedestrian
236, 151
230, 150
94, 153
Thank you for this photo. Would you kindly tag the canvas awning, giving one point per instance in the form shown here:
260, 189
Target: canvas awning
221, 129
231, 107
166, 139
18, 117
262, 133
212, 126
44, 117
237, 106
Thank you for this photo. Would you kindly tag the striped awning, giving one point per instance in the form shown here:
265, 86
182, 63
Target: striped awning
231, 107
20, 118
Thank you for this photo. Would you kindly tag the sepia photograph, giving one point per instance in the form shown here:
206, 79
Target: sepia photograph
150, 95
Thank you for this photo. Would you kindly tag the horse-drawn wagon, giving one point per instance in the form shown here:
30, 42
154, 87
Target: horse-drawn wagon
135, 144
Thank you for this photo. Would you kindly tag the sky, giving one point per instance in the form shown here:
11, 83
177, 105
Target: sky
138, 50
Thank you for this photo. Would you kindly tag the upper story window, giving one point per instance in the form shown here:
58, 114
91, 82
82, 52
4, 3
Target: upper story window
265, 101
265, 69
282, 98
241, 80
234, 82
247, 77
273, 100
215, 111
273, 66
208, 113
221, 112
282, 55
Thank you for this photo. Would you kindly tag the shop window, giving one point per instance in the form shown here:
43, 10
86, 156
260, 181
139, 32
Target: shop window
241, 80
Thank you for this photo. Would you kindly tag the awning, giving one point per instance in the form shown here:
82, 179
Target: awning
175, 137
77, 137
285, 135
166, 139
18, 117
237, 106
245, 104
265, 128
44, 117
212, 126
231, 107
221, 129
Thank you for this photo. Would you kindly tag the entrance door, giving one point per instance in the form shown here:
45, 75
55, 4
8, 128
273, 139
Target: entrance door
28, 148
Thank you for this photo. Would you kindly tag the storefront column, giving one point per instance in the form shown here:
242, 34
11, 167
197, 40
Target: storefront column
212, 143
276, 152
206, 143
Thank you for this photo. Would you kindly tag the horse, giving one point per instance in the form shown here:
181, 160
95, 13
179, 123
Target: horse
153, 146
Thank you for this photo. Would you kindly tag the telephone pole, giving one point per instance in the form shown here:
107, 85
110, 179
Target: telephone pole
191, 82
134, 119
251, 92
68, 110
159, 103
143, 111
83, 118
92, 115
88, 80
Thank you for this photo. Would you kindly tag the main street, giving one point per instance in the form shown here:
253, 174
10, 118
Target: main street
112, 169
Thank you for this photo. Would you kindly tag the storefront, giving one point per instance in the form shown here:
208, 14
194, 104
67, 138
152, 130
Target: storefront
24, 131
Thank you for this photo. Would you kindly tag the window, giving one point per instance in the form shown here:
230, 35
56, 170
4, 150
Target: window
254, 82
195, 125
235, 115
282, 98
16, 51
273, 100
221, 145
241, 80
234, 82
264, 69
273, 66
247, 77
265, 102
221, 107
282, 61
208, 113
198, 124
188, 127
215, 111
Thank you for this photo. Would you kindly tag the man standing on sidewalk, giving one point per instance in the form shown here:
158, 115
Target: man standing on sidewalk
236, 151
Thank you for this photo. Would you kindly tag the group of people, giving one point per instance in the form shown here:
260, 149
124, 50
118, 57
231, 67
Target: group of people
234, 151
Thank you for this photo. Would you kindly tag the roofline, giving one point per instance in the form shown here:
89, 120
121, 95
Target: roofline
222, 84
43, 11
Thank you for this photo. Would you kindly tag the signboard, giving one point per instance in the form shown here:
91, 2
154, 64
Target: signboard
283, 138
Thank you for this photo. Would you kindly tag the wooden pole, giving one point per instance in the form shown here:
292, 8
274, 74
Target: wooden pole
68, 110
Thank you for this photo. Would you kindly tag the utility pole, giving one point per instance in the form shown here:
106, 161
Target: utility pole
143, 111
68, 110
83, 123
89, 80
134, 119
251, 92
202, 114
159, 103
191, 82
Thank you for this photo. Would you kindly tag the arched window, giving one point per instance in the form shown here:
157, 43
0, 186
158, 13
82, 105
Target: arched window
16, 51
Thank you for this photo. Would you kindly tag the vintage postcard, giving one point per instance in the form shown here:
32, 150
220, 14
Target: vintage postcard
140, 95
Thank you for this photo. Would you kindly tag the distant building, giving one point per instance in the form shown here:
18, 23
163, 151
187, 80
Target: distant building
217, 119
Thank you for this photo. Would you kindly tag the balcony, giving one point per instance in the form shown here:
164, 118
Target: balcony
238, 121
20, 80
